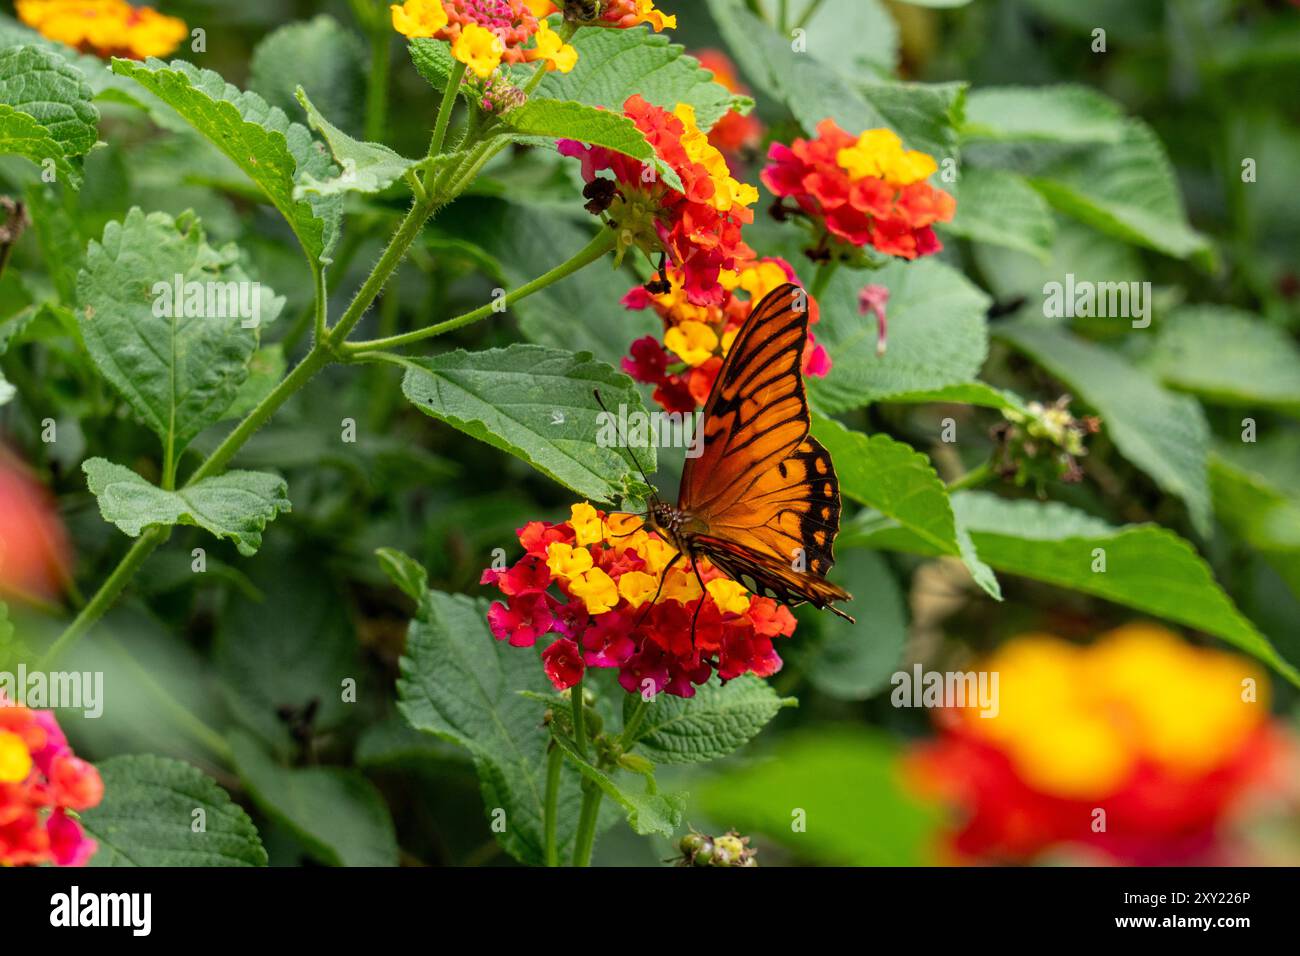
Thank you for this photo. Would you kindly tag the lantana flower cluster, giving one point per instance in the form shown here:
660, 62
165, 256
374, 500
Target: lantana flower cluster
685, 364
859, 192
1171, 741
1043, 445
588, 582
105, 28
485, 33
42, 785
696, 229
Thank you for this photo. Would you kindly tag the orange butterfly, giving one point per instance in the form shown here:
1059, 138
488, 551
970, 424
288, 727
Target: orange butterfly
761, 501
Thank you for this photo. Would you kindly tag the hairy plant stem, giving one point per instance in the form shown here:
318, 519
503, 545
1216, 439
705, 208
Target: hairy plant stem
587, 816
446, 108
633, 724
822, 278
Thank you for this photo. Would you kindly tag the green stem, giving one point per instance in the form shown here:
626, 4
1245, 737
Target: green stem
554, 764
579, 717
628, 737
807, 14
972, 479
445, 108
587, 816
601, 244
823, 278
107, 593
381, 56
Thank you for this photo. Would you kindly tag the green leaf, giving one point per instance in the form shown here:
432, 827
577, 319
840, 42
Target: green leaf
460, 684
272, 151
46, 88
846, 782
21, 135
1125, 189
647, 813
320, 56
1229, 357
1057, 114
853, 37
854, 661
404, 571
925, 115
236, 506
1148, 568
537, 404
266, 370
434, 62
1261, 514
337, 814
937, 334
968, 393
900, 483
7, 391
178, 372
147, 818
1164, 434
614, 64
715, 722
366, 167
566, 119
998, 207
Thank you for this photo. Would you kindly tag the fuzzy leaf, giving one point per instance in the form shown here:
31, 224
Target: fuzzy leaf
46, 88
716, 721
648, 812
998, 207
236, 506
366, 167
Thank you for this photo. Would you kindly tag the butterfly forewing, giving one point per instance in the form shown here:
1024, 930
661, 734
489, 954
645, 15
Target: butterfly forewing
765, 490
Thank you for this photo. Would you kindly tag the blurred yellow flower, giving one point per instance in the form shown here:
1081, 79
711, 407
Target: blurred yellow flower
419, 18
880, 153
104, 27
15, 759
556, 54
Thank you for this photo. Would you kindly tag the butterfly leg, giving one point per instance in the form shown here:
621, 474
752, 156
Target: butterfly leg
658, 591
704, 593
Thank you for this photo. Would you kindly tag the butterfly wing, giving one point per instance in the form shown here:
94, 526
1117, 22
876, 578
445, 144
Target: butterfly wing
765, 490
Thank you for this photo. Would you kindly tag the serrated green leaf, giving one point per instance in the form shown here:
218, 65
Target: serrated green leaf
42, 85
537, 404
366, 167
854, 661
1147, 567
21, 135
566, 119
236, 506
1000, 208
1058, 114
647, 813
259, 138
937, 334
179, 373
1162, 433
1261, 514
460, 684
319, 55
404, 571
1227, 356
614, 64
337, 814
147, 818
1126, 189
900, 483
845, 785
266, 370
715, 722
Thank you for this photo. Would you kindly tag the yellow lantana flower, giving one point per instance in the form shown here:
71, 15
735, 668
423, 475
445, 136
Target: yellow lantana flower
730, 596
586, 524
15, 760
692, 342
567, 562
728, 191
880, 153
637, 586
596, 589
554, 52
645, 9
682, 586
419, 18
478, 48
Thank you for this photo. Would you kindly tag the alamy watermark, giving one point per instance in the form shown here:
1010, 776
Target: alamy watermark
933, 689
1105, 300
179, 299
53, 690
638, 429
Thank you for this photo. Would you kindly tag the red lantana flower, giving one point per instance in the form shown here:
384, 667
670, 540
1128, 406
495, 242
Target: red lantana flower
859, 192
697, 228
590, 582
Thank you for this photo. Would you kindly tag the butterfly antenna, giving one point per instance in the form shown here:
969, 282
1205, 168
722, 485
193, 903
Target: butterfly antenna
636, 461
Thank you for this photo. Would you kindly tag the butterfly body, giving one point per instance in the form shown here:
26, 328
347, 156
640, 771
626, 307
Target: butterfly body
761, 502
